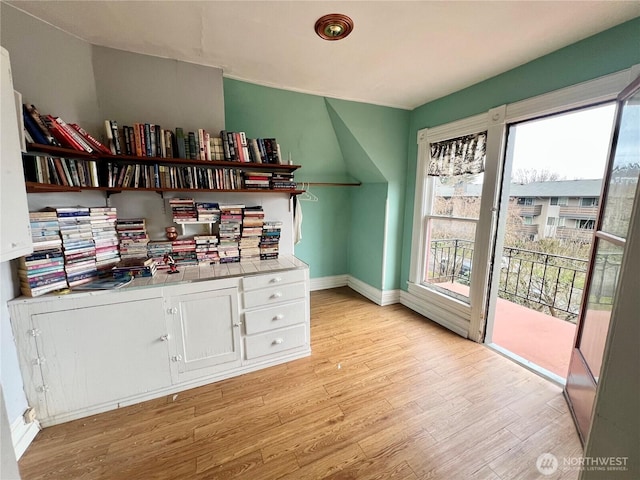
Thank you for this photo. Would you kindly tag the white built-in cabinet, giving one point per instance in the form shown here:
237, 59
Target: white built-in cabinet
205, 325
87, 353
15, 233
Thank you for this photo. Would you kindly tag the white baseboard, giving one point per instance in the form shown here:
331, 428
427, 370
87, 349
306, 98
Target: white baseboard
453, 323
324, 283
380, 297
22, 434
390, 297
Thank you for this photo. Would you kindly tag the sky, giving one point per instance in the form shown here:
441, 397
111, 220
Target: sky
575, 145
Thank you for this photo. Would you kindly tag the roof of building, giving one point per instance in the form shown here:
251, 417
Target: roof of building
562, 188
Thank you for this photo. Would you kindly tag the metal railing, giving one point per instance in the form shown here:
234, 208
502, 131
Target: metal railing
552, 284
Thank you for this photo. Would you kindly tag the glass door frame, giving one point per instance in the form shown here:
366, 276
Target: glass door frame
580, 390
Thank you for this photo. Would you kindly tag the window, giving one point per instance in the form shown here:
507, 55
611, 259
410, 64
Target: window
562, 201
527, 220
551, 221
589, 202
586, 224
525, 201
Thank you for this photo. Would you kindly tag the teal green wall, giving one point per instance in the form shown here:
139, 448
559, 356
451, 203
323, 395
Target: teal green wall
610, 51
336, 141
366, 243
373, 140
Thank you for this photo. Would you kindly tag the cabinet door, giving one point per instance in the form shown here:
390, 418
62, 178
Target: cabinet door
98, 355
206, 333
15, 234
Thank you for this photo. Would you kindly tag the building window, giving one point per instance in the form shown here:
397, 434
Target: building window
551, 221
527, 220
525, 201
586, 224
561, 201
589, 202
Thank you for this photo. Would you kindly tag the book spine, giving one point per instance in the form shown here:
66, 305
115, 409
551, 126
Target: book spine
201, 146
116, 137
180, 143
153, 141
207, 146
136, 139
109, 135
127, 143
163, 144
96, 143
77, 138
147, 140
225, 145
192, 146
33, 113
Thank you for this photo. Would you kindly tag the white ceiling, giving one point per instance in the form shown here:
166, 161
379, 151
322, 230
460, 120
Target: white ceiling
400, 54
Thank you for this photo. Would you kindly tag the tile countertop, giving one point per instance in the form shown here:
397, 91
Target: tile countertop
205, 271
187, 274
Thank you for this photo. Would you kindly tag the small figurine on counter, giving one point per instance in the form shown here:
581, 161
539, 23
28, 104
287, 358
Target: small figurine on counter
168, 260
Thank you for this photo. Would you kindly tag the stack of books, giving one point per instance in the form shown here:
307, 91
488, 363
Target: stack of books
208, 212
78, 245
105, 237
157, 251
270, 240
251, 233
184, 252
207, 248
132, 234
141, 267
283, 181
257, 180
230, 232
43, 271
184, 210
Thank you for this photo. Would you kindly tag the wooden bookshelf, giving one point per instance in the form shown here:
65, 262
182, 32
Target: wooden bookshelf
104, 159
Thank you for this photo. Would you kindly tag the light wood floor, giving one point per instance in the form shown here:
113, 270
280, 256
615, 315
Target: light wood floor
385, 394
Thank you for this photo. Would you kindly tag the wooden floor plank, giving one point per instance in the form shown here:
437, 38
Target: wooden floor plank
386, 394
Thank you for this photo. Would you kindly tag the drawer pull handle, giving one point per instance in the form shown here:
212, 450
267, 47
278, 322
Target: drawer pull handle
278, 341
276, 295
279, 316
276, 280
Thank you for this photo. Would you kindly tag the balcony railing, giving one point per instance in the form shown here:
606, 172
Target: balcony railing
528, 210
545, 282
585, 213
579, 234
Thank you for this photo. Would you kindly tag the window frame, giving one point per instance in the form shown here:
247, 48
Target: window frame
469, 320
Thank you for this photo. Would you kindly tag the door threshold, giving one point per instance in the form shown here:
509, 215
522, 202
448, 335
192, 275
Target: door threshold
535, 368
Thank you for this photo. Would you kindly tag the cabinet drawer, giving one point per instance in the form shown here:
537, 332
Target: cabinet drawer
278, 316
267, 296
275, 341
273, 279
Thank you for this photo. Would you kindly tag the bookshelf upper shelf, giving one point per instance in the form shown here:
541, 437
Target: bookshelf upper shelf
35, 148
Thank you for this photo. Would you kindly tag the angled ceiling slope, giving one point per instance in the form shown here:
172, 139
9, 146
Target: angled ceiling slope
359, 164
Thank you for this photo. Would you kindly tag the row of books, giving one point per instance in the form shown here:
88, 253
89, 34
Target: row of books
50, 130
150, 140
238, 148
61, 171
84, 173
165, 176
